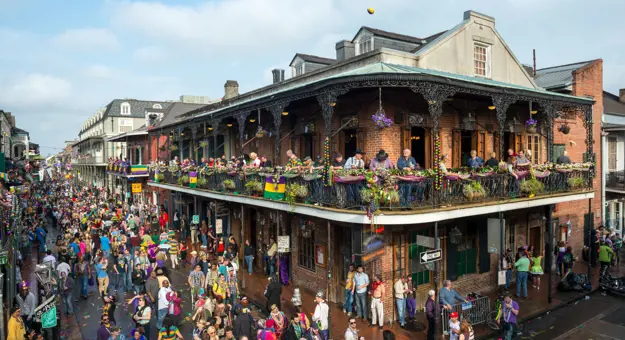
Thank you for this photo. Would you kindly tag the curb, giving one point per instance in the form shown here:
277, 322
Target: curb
541, 313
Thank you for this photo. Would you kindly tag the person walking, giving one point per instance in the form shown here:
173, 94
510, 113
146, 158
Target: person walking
143, 315
16, 329
320, 317
103, 278
377, 302
522, 266
507, 318
537, 269
196, 282
351, 333
138, 279
248, 252
163, 304
83, 272
349, 291
67, 286
361, 282
605, 255
27, 303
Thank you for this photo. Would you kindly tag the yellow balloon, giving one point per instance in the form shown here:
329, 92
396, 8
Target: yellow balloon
370, 10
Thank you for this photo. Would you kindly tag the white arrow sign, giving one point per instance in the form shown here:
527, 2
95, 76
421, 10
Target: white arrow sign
431, 255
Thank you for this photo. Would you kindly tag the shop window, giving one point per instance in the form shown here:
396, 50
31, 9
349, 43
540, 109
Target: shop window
467, 252
306, 253
419, 272
399, 264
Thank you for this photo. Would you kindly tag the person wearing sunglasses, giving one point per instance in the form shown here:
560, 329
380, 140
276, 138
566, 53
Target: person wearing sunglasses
351, 333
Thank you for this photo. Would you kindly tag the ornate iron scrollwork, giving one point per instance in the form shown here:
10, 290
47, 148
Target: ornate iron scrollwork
276, 112
241, 118
435, 95
350, 122
327, 101
502, 102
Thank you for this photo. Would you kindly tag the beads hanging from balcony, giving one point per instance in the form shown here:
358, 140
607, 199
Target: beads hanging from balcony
455, 236
437, 158
327, 173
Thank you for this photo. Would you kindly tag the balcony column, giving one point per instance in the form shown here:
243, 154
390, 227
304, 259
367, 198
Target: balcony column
215, 126
550, 115
193, 147
179, 138
276, 112
435, 95
588, 125
205, 149
327, 102
502, 102
241, 118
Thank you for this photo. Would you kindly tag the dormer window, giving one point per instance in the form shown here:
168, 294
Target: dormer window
365, 44
298, 69
481, 60
157, 106
125, 108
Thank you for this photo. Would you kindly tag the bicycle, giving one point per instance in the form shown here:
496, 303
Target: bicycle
491, 319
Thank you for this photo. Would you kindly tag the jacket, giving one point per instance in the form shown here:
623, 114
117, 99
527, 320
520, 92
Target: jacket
244, 325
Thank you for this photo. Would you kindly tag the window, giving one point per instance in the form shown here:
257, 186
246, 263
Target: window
481, 60
365, 45
306, 252
611, 153
157, 106
125, 108
125, 125
535, 147
298, 70
510, 237
419, 272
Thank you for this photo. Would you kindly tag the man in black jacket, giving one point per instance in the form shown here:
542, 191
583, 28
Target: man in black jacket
244, 325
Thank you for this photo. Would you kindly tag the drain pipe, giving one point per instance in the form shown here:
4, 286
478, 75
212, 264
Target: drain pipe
604, 164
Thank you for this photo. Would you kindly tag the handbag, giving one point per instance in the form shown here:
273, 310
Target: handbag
91, 281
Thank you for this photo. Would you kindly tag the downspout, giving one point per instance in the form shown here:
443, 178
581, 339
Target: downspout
604, 165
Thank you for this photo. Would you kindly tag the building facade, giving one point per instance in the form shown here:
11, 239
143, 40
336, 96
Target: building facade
440, 97
613, 160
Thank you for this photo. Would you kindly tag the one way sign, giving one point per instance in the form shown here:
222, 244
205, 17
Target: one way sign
431, 255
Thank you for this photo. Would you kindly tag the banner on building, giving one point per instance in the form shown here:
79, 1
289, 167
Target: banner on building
275, 190
192, 179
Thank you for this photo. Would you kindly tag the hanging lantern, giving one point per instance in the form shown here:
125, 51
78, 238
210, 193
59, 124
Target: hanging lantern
455, 235
468, 123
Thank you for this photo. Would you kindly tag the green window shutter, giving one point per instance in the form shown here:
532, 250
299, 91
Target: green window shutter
461, 263
471, 261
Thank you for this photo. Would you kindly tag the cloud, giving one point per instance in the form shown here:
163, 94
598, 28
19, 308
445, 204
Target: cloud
227, 26
150, 54
87, 40
100, 71
36, 90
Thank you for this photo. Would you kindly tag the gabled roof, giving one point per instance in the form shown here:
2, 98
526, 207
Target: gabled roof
174, 111
18, 131
313, 59
612, 104
428, 40
390, 35
558, 77
137, 107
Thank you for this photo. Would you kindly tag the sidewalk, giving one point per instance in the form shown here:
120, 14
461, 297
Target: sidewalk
535, 306
69, 326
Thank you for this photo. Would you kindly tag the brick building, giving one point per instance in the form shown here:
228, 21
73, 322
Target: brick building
447, 94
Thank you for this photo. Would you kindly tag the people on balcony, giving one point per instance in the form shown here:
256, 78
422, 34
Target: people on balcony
264, 162
254, 160
522, 161
474, 160
356, 161
293, 161
564, 158
492, 161
337, 161
381, 162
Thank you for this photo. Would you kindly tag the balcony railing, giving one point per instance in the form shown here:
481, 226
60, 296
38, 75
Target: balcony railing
390, 190
88, 160
615, 180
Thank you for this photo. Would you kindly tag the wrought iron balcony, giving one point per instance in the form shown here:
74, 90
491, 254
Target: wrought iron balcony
390, 190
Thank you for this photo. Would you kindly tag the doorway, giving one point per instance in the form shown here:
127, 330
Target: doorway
466, 143
306, 146
343, 258
350, 144
417, 144
535, 239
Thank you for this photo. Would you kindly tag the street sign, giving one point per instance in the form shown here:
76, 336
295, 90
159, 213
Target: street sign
45, 306
426, 241
196, 219
284, 244
431, 255
136, 188
48, 318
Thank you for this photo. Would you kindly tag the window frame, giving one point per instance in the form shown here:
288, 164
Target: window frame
306, 252
487, 62
128, 124
124, 109
157, 106
298, 69
537, 150
365, 45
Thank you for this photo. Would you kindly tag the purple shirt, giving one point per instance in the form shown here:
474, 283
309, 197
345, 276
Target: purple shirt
508, 316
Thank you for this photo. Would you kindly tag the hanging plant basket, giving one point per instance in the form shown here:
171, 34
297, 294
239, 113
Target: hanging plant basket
203, 143
564, 128
173, 148
455, 236
261, 132
381, 120
530, 125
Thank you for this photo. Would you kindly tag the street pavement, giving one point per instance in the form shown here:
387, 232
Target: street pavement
597, 317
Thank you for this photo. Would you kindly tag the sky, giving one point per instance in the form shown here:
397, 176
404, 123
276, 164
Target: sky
61, 61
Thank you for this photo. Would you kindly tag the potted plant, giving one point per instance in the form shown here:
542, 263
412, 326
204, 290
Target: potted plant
183, 180
390, 197
301, 191
158, 177
531, 186
254, 187
228, 184
564, 128
530, 125
173, 147
202, 182
473, 191
260, 133
576, 182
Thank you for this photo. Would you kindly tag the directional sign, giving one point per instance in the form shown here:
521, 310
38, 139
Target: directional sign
431, 256
48, 318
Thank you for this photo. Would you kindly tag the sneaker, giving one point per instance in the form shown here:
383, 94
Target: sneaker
349, 313
344, 311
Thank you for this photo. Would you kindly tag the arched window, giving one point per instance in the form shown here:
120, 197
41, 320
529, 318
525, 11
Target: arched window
125, 108
157, 106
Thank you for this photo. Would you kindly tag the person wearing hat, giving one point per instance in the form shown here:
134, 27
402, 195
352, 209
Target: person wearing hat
407, 163
381, 162
27, 303
356, 161
320, 316
15, 328
454, 326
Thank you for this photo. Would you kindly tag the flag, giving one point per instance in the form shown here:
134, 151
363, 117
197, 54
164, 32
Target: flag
275, 191
192, 179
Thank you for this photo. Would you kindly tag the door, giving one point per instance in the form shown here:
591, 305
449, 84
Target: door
349, 143
306, 146
535, 239
468, 140
343, 258
557, 151
418, 145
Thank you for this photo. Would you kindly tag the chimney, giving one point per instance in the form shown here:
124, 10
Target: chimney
345, 50
278, 75
621, 95
11, 119
231, 89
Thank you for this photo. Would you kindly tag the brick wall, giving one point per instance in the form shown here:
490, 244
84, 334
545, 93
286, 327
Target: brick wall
303, 277
587, 81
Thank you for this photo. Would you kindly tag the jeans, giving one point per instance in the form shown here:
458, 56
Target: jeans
204, 240
138, 288
128, 281
405, 192
508, 278
521, 281
249, 259
411, 307
67, 303
106, 253
118, 281
401, 310
349, 300
431, 328
272, 266
84, 283
162, 313
324, 334
508, 330
361, 305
